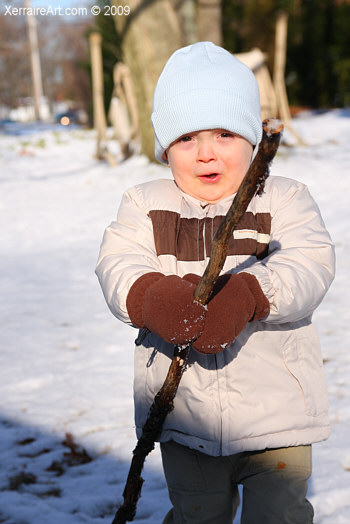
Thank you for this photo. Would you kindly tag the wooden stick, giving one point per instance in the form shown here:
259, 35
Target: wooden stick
252, 184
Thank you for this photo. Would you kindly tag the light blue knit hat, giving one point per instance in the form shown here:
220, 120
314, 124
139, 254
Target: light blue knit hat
203, 86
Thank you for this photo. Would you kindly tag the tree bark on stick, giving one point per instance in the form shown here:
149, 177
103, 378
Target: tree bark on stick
252, 184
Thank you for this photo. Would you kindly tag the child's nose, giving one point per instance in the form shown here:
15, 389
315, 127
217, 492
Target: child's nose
205, 151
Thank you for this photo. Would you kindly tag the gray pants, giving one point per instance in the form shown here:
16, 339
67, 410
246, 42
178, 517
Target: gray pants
203, 489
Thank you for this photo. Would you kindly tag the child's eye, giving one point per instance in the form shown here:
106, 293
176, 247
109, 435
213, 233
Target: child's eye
227, 134
186, 138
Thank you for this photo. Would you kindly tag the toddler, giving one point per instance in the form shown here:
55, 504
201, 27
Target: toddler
253, 397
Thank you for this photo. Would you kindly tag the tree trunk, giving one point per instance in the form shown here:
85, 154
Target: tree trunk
209, 21
34, 61
187, 14
149, 34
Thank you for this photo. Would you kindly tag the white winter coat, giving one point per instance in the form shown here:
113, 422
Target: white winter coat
267, 389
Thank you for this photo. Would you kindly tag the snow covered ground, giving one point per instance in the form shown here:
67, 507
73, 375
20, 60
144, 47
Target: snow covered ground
66, 364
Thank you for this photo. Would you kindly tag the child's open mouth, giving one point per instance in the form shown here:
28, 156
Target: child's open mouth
210, 177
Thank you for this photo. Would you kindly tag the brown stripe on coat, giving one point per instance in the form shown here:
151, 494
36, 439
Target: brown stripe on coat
184, 239
181, 237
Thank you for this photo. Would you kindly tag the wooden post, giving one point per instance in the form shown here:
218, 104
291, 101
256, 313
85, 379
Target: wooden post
125, 91
99, 116
256, 61
279, 72
280, 64
34, 60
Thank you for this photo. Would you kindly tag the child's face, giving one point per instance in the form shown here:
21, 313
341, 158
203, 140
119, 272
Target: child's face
209, 165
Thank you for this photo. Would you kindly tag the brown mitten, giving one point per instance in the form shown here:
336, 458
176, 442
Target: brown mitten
236, 300
134, 300
165, 305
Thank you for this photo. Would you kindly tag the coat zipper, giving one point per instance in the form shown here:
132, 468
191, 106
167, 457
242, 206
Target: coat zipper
216, 361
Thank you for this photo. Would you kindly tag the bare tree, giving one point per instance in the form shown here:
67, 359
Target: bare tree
149, 34
63, 52
15, 76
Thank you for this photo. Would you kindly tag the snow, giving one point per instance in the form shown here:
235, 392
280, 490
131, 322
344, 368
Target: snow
66, 364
